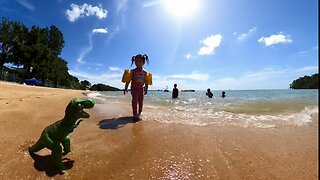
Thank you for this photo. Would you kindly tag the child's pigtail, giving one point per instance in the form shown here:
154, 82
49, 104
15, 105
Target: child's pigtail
132, 60
146, 58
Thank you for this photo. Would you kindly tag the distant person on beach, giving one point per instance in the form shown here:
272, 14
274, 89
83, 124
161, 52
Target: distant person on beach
223, 94
209, 93
140, 80
175, 91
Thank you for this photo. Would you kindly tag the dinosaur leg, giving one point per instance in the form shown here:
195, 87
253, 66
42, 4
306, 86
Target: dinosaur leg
66, 145
56, 152
37, 146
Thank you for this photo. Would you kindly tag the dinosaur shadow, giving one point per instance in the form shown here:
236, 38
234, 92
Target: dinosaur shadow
44, 163
116, 123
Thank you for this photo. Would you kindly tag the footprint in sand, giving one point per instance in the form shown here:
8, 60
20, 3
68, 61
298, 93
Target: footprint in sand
23, 148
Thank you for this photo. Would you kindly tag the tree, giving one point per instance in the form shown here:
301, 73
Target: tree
55, 40
59, 71
6, 47
103, 87
306, 82
38, 50
85, 84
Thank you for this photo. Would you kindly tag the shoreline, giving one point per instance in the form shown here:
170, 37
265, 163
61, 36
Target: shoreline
203, 112
109, 145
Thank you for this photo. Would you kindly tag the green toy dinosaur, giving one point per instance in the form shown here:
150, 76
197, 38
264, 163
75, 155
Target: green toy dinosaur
57, 132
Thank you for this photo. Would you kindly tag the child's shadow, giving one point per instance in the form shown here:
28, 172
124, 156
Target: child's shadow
115, 123
44, 163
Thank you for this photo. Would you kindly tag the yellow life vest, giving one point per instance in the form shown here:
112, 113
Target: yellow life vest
127, 76
149, 79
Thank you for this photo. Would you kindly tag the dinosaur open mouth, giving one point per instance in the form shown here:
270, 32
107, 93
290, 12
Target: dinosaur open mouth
85, 114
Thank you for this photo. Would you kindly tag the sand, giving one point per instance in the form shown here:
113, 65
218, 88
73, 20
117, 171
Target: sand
109, 145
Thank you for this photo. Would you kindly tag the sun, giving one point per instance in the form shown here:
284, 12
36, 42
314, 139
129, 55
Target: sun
182, 8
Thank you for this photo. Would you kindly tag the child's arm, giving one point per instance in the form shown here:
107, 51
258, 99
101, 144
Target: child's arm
129, 78
126, 88
145, 88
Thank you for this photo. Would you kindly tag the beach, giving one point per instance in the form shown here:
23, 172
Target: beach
109, 145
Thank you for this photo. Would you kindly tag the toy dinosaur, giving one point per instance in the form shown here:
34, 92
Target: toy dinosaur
58, 132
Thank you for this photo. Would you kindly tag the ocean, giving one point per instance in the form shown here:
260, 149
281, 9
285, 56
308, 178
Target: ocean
247, 108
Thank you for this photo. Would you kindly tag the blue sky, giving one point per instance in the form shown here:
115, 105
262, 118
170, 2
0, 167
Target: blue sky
198, 44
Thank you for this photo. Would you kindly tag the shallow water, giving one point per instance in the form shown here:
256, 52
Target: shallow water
258, 108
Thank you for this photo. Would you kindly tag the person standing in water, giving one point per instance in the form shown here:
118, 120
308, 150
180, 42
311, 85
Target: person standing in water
175, 91
209, 93
223, 94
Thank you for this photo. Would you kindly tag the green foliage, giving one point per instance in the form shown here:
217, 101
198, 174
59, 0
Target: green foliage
306, 82
103, 87
85, 84
12, 35
38, 50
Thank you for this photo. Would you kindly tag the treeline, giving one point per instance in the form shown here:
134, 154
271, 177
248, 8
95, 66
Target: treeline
38, 51
103, 87
306, 82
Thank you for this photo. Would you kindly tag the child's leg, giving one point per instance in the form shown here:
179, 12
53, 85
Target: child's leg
134, 94
140, 98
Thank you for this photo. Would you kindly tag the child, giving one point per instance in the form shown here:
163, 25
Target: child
209, 93
138, 77
175, 91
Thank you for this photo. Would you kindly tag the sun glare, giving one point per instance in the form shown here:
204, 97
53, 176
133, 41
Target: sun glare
182, 8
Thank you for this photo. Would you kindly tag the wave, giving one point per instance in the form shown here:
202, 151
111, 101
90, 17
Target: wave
201, 118
253, 109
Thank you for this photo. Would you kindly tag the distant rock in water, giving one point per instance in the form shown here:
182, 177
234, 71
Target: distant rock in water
306, 82
188, 90
103, 87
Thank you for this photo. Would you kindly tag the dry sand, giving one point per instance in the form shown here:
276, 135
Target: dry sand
109, 145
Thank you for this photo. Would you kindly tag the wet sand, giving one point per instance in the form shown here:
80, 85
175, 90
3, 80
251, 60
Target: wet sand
109, 145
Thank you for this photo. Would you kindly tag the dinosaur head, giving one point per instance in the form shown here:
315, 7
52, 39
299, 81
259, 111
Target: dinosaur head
75, 109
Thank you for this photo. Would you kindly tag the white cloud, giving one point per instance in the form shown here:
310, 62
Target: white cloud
88, 49
184, 81
265, 74
246, 35
252, 29
78, 11
121, 6
308, 68
306, 52
100, 30
112, 79
151, 3
263, 79
268, 78
275, 39
26, 4
210, 43
115, 69
242, 37
188, 56
193, 76
80, 60
85, 51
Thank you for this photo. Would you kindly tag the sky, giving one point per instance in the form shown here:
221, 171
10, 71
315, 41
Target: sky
197, 44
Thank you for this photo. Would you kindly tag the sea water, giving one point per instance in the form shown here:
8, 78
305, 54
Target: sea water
247, 108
